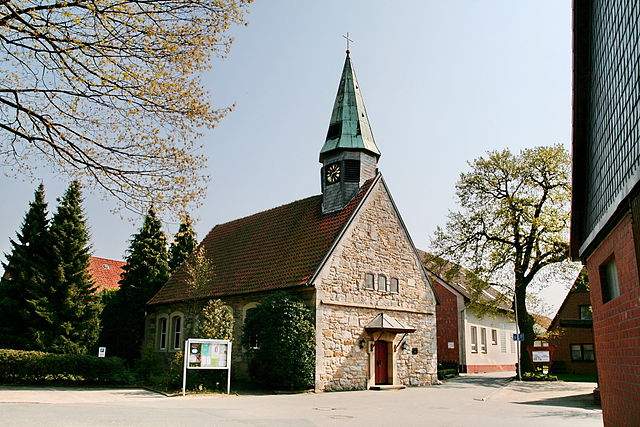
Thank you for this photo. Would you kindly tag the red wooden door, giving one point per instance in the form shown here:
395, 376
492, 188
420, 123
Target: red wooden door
381, 358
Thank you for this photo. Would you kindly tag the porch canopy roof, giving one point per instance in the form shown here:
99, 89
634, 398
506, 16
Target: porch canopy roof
385, 323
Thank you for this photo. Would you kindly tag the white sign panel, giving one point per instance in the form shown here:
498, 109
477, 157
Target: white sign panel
451, 344
102, 351
200, 353
541, 356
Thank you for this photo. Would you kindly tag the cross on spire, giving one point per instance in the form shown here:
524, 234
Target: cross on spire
346, 37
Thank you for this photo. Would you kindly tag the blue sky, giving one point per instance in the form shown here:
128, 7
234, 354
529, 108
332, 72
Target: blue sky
443, 82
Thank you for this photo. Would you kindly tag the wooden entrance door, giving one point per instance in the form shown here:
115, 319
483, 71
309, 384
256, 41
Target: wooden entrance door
382, 362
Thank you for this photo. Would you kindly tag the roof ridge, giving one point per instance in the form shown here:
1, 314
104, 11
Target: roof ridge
108, 259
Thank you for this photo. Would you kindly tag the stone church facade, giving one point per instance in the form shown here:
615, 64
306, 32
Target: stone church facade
345, 252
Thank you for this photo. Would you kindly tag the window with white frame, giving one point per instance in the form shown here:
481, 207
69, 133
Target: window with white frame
474, 339
513, 345
163, 324
176, 331
503, 341
382, 283
483, 340
494, 337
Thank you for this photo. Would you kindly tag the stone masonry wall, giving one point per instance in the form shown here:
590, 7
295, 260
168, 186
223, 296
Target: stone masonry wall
374, 243
239, 304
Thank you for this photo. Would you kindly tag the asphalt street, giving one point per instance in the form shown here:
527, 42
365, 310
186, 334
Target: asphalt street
474, 400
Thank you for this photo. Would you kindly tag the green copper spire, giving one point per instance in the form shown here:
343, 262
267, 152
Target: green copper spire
349, 127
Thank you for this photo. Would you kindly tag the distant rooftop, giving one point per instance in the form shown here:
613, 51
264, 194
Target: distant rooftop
105, 273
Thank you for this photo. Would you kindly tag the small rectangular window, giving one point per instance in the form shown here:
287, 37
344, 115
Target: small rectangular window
586, 312
503, 342
609, 281
537, 343
474, 339
587, 352
369, 281
483, 340
393, 286
382, 283
576, 352
163, 332
494, 337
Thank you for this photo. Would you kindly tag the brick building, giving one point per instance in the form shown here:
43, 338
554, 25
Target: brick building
475, 341
571, 332
605, 222
346, 252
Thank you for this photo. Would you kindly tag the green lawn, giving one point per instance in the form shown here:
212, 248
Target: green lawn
579, 378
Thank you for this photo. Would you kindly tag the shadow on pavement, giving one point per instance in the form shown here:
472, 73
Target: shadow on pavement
478, 381
584, 401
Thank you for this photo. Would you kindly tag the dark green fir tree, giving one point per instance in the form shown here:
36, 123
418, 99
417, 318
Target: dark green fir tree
26, 319
147, 269
75, 305
183, 245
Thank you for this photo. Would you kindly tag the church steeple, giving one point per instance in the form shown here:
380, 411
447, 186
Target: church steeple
349, 155
349, 127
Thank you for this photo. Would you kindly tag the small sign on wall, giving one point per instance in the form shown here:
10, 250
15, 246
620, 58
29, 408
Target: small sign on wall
540, 356
451, 344
102, 351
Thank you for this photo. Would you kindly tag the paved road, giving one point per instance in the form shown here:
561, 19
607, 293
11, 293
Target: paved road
470, 400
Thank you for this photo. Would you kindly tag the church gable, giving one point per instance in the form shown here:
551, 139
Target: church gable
374, 272
376, 243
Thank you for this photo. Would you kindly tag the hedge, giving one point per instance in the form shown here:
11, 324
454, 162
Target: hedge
35, 367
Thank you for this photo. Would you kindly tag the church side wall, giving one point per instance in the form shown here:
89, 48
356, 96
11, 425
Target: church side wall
239, 304
376, 243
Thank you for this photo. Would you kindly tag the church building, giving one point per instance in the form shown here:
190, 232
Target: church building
346, 252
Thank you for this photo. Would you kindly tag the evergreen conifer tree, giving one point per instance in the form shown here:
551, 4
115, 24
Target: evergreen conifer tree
76, 307
26, 319
147, 269
183, 245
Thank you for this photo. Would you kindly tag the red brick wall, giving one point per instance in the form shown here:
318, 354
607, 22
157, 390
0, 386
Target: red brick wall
563, 337
447, 323
616, 326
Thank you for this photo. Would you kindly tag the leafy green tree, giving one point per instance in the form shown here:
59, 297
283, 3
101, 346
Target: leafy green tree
26, 319
215, 321
147, 269
74, 303
512, 222
183, 245
285, 332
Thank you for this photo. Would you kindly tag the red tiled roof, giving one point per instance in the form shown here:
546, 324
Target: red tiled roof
274, 249
105, 272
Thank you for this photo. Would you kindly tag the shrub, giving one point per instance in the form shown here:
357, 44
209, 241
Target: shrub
35, 367
215, 321
538, 376
285, 357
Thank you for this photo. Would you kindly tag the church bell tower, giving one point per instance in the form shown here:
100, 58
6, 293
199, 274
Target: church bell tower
349, 155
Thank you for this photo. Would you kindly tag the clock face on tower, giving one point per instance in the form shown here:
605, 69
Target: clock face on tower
332, 173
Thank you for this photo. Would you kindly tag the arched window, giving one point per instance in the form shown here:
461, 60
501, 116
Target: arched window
369, 281
253, 338
163, 326
393, 285
177, 326
382, 283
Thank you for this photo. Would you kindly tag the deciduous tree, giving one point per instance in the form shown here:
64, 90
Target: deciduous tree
109, 92
512, 222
